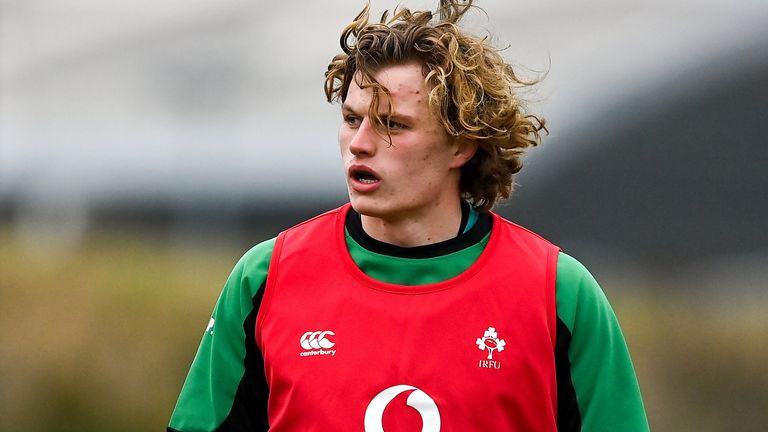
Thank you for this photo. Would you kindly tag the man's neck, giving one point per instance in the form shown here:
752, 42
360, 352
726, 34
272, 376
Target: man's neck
416, 230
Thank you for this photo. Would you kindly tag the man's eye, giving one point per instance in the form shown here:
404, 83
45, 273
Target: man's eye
395, 125
351, 120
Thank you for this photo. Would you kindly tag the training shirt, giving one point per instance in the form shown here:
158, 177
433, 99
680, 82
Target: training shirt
596, 388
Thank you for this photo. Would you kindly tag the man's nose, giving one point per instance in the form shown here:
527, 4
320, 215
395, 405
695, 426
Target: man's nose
366, 139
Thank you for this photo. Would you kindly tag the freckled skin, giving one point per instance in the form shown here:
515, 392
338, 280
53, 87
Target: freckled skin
417, 201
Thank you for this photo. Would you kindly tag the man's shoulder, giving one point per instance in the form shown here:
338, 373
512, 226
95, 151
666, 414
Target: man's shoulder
256, 259
311, 231
263, 251
323, 218
520, 230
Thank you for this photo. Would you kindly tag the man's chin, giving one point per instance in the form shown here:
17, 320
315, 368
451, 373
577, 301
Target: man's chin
367, 206
364, 209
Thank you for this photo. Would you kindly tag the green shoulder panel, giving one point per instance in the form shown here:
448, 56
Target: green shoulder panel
205, 401
603, 377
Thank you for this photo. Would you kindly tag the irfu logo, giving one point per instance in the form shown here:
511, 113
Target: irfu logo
491, 342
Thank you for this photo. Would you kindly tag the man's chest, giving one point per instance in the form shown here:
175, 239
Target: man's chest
468, 357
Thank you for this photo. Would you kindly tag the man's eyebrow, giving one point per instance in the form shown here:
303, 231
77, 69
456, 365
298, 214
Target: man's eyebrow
403, 117
395, 115
346, 107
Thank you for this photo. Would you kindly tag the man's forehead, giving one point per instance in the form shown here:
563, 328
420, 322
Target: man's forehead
405, 84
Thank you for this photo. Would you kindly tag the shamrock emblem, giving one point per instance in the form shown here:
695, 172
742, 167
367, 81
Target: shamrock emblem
491, 342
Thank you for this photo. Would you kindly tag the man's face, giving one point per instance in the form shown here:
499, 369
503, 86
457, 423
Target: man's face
414, 174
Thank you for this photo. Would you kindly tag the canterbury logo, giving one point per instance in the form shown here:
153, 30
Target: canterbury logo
316, 340
427, 408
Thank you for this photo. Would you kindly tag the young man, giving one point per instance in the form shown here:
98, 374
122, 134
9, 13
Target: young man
414, 307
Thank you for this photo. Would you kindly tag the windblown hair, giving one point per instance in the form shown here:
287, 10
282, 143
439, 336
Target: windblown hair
472, 90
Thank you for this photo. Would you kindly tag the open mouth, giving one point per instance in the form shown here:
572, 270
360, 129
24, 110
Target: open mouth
364, 176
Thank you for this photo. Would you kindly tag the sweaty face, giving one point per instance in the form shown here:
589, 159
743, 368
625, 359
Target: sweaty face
418, 172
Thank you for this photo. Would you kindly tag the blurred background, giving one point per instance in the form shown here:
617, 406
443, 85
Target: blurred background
145, 145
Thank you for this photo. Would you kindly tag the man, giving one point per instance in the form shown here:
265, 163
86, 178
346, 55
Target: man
414, 307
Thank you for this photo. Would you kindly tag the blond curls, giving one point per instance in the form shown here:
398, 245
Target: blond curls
472, 90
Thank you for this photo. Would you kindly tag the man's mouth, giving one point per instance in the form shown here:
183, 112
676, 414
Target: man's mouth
363, 176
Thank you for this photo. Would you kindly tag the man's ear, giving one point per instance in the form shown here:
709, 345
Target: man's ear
464, 150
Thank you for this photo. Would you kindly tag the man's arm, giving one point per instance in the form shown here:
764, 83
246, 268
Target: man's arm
597, 387
225, 389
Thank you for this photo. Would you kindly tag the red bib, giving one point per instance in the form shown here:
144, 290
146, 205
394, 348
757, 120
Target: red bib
344, 352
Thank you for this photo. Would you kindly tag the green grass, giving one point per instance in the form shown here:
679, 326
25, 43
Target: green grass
99, 338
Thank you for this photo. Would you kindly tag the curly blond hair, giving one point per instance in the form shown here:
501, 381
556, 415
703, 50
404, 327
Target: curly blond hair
472, 90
